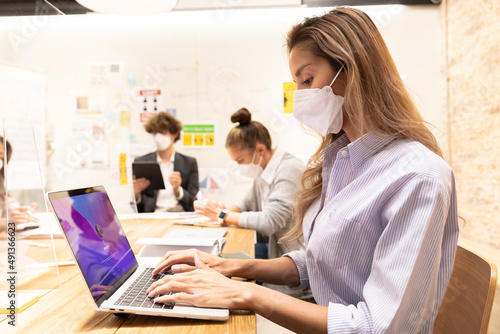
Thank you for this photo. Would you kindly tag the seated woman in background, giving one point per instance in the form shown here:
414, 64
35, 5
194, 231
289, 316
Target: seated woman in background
180, 172
378, 208
267, 207
18, 214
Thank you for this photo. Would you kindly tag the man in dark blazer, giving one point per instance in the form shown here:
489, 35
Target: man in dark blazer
179, 171
188, 169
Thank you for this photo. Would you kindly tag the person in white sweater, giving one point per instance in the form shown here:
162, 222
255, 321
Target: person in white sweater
267, 207
10, 210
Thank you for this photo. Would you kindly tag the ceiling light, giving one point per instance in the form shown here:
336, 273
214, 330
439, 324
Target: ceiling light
129, 7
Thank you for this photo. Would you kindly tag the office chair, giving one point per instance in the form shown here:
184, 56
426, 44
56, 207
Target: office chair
468, 300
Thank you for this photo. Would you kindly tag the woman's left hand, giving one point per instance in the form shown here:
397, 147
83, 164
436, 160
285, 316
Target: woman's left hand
201, 287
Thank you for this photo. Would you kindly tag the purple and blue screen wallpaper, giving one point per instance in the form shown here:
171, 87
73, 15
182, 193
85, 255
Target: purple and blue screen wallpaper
96, 237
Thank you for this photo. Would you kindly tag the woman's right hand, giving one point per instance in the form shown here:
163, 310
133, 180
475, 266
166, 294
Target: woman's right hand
204, 287
209, 208
183, 261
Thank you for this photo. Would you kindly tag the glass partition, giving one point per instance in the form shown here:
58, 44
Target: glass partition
31, 244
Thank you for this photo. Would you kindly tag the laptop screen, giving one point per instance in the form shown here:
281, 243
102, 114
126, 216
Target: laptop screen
95, 236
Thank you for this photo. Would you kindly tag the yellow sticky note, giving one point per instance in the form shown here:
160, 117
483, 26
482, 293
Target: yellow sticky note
187, 139
209, 139
123, 169
125, 118
288, 89
198, 140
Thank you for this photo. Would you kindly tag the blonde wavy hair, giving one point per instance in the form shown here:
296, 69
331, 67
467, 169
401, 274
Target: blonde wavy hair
376, 99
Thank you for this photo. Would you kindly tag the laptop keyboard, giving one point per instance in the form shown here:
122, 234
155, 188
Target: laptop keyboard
136, 294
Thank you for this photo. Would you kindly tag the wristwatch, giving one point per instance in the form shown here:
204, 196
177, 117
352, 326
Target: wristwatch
222, 215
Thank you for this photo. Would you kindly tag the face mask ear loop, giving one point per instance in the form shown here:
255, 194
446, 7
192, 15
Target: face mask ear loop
338, 73
260, 161
253, 158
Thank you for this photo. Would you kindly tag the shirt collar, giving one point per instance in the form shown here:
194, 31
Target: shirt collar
366, 146
270, 170
359, 150
159, 159
334, 147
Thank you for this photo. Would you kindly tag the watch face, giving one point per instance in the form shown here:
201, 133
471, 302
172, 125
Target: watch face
223, 214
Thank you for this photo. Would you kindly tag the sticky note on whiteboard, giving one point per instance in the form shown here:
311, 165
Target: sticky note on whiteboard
288, 90
123, 169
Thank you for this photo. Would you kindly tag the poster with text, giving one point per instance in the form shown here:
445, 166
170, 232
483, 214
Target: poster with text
150, 102
198, 135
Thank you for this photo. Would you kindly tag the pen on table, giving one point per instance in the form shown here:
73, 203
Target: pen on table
50, 264
37, 244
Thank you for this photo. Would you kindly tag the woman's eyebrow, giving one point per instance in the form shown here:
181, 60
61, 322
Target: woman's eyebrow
300, 69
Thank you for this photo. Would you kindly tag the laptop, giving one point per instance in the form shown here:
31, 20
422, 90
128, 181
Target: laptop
115, 280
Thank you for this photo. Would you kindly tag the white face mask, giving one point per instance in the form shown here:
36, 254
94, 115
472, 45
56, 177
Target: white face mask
1, 164
319, 109
252, 169
162, 141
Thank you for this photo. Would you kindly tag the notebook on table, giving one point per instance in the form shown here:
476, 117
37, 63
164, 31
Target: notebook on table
115, 281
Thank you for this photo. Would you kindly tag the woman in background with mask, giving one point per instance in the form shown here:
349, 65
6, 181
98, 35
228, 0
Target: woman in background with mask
267, 207
377, 211
180, 172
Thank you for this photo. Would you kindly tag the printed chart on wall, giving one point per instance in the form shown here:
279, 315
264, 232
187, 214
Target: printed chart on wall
105, 73
22, 115
198, 135
151, 101
213, 178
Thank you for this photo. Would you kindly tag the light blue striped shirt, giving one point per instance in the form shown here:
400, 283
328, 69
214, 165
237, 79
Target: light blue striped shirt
380, 243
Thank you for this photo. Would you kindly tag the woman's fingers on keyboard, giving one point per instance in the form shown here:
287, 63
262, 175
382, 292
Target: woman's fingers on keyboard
182, 268
166, 287
202, 287
175, 257
179, 297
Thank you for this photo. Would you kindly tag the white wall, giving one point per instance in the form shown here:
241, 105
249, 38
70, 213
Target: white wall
208, 64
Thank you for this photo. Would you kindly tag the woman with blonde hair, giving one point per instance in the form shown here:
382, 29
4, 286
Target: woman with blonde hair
378, 206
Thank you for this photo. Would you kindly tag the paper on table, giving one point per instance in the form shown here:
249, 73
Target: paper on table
191, 242
22, 301
157, 247
157, 215
196, 233
48, 226
199, 221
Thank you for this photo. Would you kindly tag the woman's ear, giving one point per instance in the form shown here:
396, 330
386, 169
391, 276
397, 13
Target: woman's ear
261, 148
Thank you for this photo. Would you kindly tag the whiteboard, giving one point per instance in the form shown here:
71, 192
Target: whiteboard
22, 121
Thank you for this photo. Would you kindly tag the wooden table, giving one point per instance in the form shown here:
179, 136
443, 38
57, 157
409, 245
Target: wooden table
69, 309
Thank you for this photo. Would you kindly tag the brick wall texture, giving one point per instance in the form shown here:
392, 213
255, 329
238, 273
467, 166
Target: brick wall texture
473, 55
